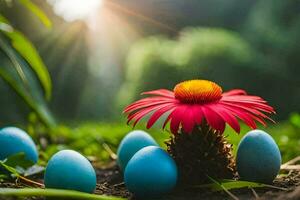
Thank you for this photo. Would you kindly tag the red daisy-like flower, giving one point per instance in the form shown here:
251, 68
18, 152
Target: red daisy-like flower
191, 102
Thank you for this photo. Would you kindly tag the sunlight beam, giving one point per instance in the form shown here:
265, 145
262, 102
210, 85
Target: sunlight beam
72, 10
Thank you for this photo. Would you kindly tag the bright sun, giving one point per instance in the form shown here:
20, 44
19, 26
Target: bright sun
72, 10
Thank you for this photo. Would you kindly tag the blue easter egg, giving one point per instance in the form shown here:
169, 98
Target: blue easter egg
258, 157
14, 140
132, 143
151, 172
68, 169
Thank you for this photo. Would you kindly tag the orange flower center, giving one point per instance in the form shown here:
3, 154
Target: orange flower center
197, 91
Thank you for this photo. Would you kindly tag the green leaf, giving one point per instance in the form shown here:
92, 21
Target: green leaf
239, 184
40, 110
27, 50
19, 160
28, 93
30, 54
65, 194
10, 169
13, 84
223, 188
37, 11
226, 184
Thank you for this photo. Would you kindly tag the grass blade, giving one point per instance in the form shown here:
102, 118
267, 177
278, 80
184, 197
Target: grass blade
229, 185
224, 188
232, 184
66, 194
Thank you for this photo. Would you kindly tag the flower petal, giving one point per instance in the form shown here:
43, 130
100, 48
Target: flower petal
227, 117
188, 119
198, 114
176, 119
243, 115
234, 92
161, 92
158, 113
150, 101
232, 105
251, 110
213, 119
137, 116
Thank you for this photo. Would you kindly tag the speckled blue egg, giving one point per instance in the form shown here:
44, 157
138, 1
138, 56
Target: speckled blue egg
258, 157
14, 140
131, 143
151, 172
68, 169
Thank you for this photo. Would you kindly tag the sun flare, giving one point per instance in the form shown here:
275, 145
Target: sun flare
72, 10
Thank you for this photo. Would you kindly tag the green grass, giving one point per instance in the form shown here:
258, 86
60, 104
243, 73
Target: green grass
88, 137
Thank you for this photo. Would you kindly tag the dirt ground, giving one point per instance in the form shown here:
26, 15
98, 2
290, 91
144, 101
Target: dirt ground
110, 182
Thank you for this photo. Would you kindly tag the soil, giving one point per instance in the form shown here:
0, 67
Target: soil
110, 182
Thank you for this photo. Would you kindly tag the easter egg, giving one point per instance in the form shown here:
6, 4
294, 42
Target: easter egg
131, 143
68, 169
258, 157
151, 172
14, 140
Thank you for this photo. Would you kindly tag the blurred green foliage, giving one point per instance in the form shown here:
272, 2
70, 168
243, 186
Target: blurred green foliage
199, 53
90, 138
216, 54
262, 59
20, 55
273, 29
251, 44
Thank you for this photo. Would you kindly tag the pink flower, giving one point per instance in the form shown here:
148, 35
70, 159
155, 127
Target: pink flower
196, 101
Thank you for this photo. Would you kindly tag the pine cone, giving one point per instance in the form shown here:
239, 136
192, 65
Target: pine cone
201, 154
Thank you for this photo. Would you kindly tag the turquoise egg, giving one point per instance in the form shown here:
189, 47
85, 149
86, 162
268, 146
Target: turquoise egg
14, 140
151, 172
131, 143
258, 157
69, 170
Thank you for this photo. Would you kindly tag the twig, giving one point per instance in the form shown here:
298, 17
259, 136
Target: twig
254, 193
290, 162
275, 187
31, 182
119, 184
224, 188
112, 155
106, 147
290, 167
